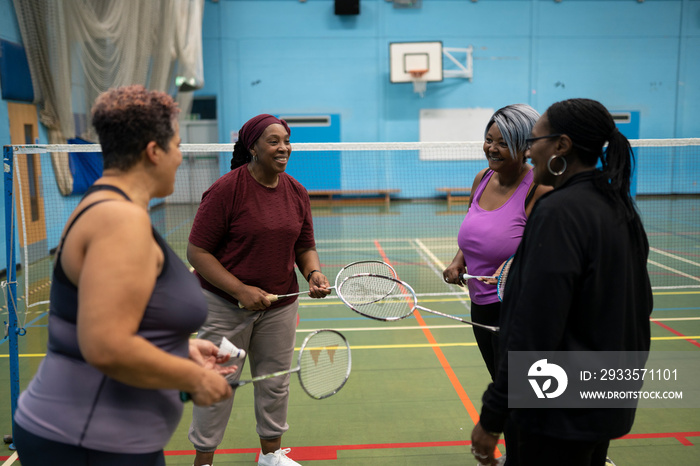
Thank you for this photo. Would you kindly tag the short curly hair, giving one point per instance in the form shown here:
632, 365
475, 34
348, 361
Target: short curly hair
127, 118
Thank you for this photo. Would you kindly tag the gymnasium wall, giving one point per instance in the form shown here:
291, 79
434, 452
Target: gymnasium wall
292, 57
286, 56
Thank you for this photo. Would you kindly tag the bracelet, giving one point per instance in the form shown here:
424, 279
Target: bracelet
308, 277
494, 434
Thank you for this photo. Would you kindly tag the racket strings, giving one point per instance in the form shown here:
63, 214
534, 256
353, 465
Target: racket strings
324, 364
366, 289
503, 278
378, 297
371, 267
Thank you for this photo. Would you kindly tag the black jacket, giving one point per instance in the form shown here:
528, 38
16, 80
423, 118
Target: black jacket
578, 282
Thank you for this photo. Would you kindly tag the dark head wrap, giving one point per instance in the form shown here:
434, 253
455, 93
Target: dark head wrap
253, 128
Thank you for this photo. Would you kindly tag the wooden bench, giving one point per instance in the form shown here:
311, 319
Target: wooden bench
456, 194
352, 195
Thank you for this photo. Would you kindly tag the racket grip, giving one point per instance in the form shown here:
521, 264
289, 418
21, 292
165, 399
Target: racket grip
271, 297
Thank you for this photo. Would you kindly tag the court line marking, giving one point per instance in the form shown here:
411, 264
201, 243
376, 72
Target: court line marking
329, 452
456, 384
464, 293
681, 437
435, 344
689, 339
673, 256
431, 327
461, 393
11, 459
671, 319
677, 272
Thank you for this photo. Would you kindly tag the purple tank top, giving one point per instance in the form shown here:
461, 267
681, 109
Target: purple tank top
488, 237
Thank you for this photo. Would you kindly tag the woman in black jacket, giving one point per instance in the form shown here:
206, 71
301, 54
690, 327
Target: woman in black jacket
578, 282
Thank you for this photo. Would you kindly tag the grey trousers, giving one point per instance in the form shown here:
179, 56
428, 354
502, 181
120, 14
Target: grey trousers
268, 337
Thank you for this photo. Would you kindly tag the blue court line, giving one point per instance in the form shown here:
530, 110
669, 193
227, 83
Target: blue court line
176, 228
29, 324
676, 309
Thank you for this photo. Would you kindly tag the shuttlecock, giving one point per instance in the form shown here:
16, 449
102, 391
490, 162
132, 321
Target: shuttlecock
229, 348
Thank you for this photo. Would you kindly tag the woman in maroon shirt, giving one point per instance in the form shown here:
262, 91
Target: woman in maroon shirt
252, 226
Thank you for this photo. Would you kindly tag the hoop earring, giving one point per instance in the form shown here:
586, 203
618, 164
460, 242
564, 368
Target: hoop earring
549, 165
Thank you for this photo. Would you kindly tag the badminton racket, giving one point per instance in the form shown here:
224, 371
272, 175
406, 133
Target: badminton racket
323, 365
399, 302
503, 277
466, 276
366, 266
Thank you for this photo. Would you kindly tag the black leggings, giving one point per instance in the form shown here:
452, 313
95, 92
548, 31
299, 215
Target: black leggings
37, 451
487, 314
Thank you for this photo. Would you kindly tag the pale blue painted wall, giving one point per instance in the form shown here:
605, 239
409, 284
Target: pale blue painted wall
283, 56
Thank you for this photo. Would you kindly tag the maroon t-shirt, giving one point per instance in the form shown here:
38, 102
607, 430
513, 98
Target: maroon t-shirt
254, 230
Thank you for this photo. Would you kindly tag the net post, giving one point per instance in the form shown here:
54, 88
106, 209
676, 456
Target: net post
11, 276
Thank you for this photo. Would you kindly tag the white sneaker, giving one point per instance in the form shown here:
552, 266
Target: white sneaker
278, 458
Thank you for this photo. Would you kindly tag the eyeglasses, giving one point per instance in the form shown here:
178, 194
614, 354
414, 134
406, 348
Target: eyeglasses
529, 141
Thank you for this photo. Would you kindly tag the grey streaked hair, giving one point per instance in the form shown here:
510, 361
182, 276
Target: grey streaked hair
515, 122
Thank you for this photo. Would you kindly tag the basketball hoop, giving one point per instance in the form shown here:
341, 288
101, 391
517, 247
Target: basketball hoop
418, 83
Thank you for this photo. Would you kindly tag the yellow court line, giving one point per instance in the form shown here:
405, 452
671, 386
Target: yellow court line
417, 345
690, 337
304, 302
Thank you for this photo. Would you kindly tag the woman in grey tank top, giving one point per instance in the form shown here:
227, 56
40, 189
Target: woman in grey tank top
123, 307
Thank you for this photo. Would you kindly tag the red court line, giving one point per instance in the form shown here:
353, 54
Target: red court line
682, 437
329, 452
677, 333
440, 355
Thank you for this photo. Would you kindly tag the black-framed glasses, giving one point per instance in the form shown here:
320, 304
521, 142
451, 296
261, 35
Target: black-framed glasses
529, 141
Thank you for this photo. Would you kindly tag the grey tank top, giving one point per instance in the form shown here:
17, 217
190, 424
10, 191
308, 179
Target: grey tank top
71, 402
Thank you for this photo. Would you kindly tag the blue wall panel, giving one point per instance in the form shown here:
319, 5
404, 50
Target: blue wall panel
327, 162
688, 114
629, 84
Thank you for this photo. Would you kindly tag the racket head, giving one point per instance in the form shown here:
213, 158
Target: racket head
324, 363
377, 296
375, 267
503, 278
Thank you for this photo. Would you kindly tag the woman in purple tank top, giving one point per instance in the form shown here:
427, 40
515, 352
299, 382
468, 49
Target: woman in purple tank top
502, 197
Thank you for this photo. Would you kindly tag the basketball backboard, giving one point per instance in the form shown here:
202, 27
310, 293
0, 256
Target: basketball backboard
416, 57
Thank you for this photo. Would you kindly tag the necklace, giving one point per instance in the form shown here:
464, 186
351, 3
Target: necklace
267, 185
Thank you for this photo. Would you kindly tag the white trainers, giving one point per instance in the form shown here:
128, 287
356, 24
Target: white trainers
278, 458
